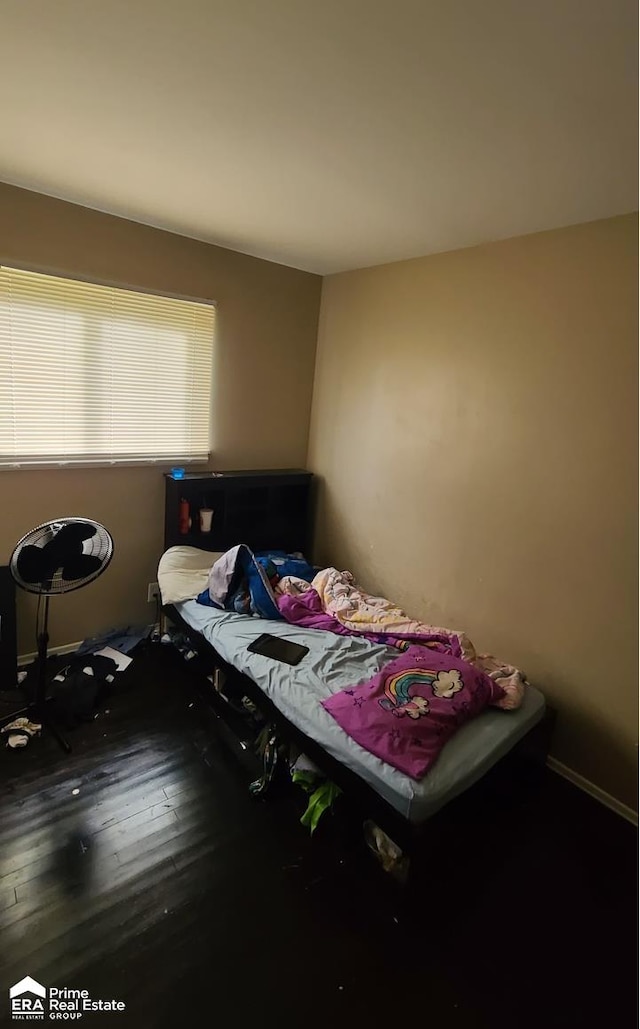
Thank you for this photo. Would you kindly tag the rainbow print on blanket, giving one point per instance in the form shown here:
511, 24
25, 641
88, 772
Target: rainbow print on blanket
401, 698
406, 713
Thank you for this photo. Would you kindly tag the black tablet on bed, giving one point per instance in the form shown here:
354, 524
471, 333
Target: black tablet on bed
279, 649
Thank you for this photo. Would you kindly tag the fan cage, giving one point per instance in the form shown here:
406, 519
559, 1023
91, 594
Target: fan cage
99, 545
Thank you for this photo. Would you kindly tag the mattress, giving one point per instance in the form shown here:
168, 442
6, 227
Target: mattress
336, 662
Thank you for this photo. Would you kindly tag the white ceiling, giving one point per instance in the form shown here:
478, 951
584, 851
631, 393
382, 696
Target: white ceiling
325, 134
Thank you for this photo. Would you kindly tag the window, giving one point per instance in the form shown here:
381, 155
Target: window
98, 374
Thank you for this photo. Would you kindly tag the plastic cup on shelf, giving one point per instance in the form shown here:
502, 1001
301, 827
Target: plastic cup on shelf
177, 473
206, 517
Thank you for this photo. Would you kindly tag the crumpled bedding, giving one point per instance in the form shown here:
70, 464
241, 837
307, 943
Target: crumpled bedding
343, 599
305, 609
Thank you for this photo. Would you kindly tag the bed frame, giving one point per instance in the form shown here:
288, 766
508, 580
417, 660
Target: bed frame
528, 755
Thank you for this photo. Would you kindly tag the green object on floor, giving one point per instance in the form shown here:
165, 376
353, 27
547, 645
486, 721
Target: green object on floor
308, 780
320, 801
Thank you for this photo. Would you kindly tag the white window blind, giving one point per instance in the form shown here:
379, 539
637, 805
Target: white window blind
97, 374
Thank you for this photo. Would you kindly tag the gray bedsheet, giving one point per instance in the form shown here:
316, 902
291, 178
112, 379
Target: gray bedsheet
335, 662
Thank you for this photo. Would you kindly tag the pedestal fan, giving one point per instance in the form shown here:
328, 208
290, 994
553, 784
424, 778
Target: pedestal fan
57, 557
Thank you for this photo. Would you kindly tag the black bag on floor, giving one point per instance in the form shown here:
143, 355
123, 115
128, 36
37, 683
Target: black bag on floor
77, 696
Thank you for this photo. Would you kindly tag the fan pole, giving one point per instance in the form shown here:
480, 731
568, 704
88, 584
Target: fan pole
43, 647
41, 685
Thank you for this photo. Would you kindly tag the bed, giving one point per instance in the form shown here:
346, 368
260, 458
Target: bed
294, 695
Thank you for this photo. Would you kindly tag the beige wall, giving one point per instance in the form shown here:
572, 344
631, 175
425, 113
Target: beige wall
264, 360
475, 425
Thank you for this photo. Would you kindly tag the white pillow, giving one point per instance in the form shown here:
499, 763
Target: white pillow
183, 573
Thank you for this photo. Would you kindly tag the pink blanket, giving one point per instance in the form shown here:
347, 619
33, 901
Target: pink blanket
409, 710
306, 609
343, 601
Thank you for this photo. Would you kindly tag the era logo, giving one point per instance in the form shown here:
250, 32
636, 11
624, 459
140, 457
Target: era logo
27, 1004
27, 999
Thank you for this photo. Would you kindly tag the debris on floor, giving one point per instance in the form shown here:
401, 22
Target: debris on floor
19, 732
123, 639
180, 642
388, 853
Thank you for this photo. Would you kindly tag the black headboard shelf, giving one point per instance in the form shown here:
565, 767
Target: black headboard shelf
268, 509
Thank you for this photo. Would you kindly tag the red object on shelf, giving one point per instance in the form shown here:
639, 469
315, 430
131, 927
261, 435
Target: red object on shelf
184, 520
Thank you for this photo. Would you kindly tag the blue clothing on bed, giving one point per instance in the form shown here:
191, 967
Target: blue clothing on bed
249, 586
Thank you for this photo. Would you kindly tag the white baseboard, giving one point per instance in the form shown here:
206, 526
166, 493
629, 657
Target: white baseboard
594, 791
68, 648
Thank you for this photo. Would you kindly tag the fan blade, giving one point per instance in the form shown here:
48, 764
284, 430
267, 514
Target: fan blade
81, 566
30, 566
67, 543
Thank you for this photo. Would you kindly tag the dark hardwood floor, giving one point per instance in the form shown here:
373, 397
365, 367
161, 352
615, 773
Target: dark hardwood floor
164, 884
